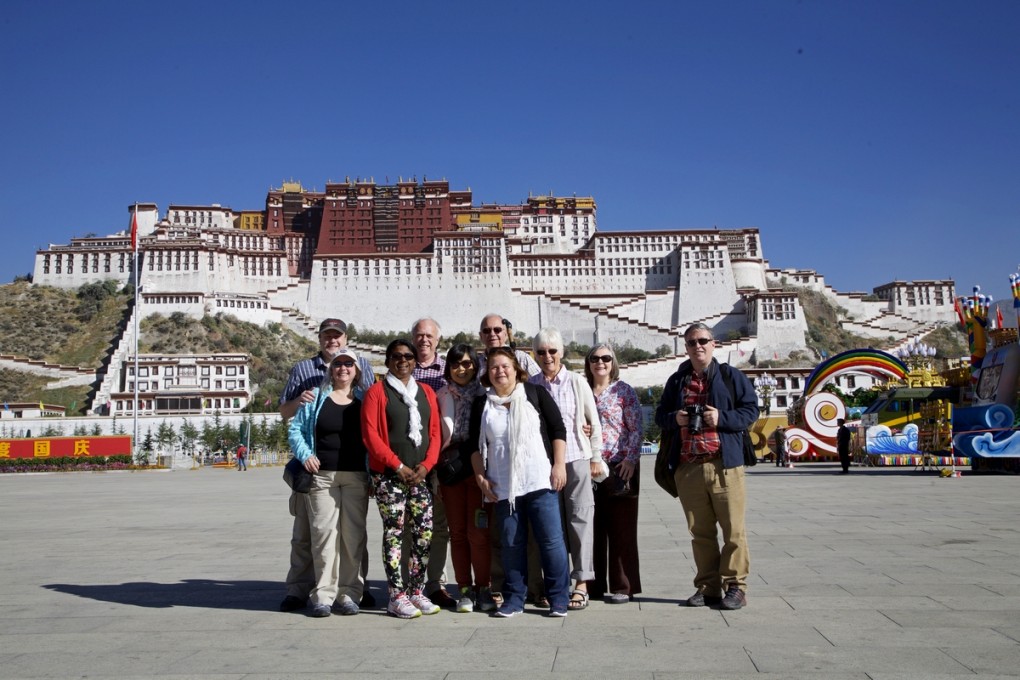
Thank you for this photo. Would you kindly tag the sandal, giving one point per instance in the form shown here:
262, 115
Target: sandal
541, 602
580, 603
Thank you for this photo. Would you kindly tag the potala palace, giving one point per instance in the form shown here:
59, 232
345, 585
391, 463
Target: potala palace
382, 255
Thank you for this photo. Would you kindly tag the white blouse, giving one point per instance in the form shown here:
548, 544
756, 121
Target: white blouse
537, 468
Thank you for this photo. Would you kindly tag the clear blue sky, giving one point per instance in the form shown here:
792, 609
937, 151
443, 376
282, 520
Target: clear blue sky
869, 140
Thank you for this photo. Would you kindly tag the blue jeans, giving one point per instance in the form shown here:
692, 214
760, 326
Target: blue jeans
540, 509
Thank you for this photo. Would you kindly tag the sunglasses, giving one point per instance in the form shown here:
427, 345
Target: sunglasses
698, 341
604, 358
465, 364
346, 363
543, 352
495, 330
406, 356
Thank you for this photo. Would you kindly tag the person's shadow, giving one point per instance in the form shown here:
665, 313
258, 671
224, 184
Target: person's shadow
203, 593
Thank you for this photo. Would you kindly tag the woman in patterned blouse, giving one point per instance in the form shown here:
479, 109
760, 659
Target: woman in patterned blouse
616, 501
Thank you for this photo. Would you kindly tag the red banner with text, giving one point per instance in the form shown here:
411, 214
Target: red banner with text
73, 447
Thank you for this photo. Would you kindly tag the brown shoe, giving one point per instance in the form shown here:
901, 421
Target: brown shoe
700, 599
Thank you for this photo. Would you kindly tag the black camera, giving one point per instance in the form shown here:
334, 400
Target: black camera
694, 418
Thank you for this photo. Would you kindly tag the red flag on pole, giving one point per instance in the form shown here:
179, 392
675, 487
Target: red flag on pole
998, 315
134, 229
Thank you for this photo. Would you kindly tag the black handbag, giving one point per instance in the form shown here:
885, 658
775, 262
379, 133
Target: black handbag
616, 487
663, 475
750, 457
297, 477
453, 466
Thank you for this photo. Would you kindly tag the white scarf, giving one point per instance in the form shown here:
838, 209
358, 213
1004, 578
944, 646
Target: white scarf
407, 394
525, 434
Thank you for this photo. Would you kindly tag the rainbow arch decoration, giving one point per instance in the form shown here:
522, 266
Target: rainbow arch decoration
872, 362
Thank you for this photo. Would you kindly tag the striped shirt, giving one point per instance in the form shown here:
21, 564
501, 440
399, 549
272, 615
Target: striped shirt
308, 374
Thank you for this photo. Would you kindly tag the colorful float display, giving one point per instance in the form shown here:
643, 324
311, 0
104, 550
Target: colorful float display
813, 436
909, 423
985, 424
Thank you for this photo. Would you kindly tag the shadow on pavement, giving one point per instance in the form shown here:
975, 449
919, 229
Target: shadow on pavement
204, 593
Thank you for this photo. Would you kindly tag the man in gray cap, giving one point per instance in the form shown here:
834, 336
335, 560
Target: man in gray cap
309, 373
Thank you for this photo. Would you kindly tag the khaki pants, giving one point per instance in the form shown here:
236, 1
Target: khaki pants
337, 510
713, 496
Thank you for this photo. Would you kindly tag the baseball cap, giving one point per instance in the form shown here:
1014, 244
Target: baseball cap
332, 325
345, 352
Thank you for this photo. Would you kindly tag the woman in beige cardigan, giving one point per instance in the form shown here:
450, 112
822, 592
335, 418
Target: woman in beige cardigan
576, 401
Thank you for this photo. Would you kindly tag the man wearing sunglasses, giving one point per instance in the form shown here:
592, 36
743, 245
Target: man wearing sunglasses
493, 333
710, 411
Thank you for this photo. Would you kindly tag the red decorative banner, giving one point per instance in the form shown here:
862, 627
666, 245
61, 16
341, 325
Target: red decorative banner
59, 447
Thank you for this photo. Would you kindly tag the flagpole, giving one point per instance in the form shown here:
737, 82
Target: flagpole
138, 281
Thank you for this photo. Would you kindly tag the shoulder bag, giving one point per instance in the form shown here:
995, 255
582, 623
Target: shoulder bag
297, 477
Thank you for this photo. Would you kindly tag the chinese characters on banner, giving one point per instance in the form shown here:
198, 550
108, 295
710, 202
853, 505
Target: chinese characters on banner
72, 447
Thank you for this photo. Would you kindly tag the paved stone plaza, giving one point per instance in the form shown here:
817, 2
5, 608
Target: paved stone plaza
880, 574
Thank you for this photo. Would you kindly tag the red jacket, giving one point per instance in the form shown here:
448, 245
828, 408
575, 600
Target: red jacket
375, 432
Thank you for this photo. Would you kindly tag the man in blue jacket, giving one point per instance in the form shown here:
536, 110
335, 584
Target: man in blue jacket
711, 405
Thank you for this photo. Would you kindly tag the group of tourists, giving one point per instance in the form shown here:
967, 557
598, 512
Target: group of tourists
524, 472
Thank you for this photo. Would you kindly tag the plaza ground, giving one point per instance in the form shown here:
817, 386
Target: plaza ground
883, 574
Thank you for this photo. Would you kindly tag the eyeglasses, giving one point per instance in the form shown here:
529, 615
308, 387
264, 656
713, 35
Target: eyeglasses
347, 363
495, 330
465, 364
604, 358
406, 356
698, 341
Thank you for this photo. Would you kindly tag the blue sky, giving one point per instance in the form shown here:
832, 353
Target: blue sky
869, 140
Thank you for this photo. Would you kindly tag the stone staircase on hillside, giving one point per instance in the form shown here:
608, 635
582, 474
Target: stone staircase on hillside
888, 324
290, 296
108, 374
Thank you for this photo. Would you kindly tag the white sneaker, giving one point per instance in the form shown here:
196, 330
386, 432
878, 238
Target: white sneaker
402, 608
423, 604
466, 603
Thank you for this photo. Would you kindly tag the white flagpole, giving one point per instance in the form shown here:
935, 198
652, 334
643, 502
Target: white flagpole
138, 281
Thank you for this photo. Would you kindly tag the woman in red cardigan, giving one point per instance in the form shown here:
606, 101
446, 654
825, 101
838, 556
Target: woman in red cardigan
400, 425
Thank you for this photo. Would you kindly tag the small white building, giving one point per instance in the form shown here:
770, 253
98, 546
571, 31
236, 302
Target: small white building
173, 384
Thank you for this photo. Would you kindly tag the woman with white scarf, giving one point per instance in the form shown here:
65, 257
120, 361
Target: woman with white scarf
400, 425
519, 467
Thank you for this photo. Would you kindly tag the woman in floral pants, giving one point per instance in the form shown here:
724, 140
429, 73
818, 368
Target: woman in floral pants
401, 428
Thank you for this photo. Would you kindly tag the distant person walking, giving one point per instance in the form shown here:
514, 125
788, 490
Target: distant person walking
780, 447
843, 445
242, 456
